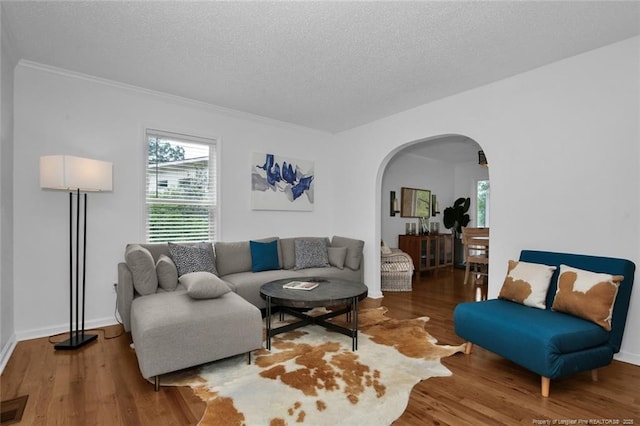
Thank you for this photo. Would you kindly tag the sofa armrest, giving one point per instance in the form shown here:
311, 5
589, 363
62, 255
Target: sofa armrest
125, 294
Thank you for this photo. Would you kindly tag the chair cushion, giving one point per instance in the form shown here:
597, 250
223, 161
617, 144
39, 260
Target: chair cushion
533, 338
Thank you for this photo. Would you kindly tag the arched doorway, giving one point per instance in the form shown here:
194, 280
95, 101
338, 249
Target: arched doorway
446, 167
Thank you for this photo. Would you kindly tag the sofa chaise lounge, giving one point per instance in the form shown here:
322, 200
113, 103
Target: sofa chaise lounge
211, 310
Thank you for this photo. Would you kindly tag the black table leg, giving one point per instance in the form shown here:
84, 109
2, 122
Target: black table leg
354, 317
268, 321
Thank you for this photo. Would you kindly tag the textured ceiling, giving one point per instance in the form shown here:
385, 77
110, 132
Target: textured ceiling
324, 65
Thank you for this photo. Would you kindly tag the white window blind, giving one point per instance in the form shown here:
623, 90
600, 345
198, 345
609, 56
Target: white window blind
180, 188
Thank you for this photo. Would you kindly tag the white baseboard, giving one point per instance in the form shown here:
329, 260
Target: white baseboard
58, 329
375, 295
7, 350
628, 357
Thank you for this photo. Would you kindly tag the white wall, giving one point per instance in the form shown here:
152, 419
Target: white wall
7, 64
563, 147
466, 177
60, 113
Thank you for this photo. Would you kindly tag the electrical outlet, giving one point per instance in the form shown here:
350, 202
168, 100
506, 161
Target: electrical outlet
115, 287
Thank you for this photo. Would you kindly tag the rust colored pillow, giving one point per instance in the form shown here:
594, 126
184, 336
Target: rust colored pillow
527, 283
587, 295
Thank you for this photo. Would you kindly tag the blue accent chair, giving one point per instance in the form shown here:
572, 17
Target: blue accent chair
549, 343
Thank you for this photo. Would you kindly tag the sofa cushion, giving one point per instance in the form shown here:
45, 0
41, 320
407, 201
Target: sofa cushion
527, 283
587, 294
143, 269
234, 257
167, 273
337, 256
247, 284
354, 250
264, 256
204, 285
311, 254
191, 258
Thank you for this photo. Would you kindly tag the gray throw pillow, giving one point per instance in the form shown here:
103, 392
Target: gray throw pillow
288, 250
191, 258
143, 269
354, 250
204, 285
311, 254
167, 273
337, 255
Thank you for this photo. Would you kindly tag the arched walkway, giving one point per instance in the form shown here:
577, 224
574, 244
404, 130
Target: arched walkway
446, 165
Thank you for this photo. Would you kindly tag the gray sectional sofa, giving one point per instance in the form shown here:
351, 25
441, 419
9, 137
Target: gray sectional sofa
188, 304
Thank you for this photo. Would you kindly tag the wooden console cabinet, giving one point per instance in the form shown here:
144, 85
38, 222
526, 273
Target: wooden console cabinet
428, 252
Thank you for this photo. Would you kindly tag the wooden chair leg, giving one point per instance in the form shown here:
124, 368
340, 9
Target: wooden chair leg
466, 273
594, 374
156, 383
468, 348
546, 384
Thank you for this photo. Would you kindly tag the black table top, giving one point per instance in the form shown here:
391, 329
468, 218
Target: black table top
329, 292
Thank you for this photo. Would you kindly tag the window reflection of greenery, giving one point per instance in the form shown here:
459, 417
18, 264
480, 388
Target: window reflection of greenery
482, 202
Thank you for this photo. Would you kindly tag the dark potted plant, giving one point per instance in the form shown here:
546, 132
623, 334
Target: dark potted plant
454, 218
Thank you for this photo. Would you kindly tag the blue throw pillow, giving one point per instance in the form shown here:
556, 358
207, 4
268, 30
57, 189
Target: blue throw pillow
264, 256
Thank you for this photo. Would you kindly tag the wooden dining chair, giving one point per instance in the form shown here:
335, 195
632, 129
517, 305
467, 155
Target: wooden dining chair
476, 251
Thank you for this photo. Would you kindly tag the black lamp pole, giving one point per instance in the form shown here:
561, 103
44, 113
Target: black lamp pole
79, 338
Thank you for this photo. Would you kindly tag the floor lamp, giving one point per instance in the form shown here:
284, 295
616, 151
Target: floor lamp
78, 176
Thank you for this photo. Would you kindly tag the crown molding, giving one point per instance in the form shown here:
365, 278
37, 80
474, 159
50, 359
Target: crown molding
165, 96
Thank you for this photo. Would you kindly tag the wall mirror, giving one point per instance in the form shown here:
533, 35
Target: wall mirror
415, 202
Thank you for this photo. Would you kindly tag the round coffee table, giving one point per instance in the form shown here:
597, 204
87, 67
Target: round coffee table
329, 292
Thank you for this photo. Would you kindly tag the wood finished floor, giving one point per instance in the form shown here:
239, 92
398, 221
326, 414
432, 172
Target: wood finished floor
101, 384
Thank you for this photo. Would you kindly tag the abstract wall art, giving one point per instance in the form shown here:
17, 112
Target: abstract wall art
281, 183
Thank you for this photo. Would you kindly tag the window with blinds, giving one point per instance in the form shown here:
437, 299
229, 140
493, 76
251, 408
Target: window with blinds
180, 188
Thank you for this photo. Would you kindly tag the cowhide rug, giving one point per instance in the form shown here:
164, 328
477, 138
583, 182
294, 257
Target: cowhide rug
312, 377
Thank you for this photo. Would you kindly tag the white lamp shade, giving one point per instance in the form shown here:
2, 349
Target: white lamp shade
68, 172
